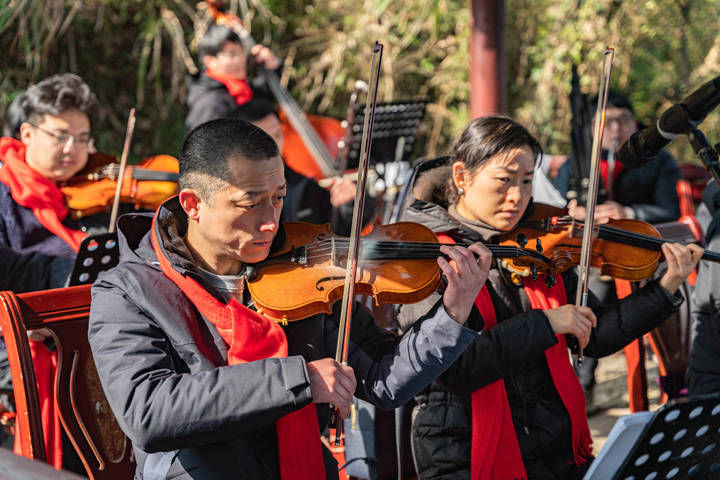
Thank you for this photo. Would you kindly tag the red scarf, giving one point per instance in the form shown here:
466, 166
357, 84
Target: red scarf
252, 337
31, 190
239, 88
604, 173
495, 452
45, 366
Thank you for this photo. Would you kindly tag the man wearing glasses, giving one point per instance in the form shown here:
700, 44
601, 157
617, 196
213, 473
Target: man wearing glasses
36, 231
222, 88
54, 144
646, 193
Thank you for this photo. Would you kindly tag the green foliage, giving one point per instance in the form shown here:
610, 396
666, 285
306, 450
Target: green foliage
138, 53
663, 50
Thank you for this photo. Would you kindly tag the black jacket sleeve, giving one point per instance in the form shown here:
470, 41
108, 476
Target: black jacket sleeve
621, 322
662, 204
159, 404
494, 353
32, 271
506, 347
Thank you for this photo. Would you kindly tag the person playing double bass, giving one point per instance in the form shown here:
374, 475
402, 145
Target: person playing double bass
221, 88
204, 385
511, 407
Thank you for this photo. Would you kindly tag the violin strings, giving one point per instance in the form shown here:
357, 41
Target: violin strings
324, 248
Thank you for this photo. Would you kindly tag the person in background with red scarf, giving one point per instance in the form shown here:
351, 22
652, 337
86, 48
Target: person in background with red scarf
54, 142
207, 387
646, 193
512, 407
222, 87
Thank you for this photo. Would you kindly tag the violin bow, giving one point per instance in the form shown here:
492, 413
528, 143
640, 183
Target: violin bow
121, 172
341, 352
589, 227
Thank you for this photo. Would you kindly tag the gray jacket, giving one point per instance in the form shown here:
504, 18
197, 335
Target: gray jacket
188, 414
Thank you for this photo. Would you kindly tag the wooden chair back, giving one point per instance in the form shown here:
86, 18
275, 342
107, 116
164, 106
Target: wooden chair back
83, 409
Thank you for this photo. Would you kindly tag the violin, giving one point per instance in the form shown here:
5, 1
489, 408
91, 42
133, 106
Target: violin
627, 249
398, 265
146, 185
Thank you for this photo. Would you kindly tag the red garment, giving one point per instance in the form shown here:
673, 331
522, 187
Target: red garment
252, 337
239, 89
495, 452
31, 190
45, 366
617, 169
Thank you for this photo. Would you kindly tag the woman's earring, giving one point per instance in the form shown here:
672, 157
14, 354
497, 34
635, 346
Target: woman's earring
461, 191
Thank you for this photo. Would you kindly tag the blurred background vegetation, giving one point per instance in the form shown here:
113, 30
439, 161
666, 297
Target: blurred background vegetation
139, 52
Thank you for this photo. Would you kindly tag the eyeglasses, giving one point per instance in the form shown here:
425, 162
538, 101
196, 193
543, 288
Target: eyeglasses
621, 120
234, 54
64, 138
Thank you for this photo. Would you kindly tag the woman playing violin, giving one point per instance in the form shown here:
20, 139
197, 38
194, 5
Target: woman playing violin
222, 88
511, 406
205, 386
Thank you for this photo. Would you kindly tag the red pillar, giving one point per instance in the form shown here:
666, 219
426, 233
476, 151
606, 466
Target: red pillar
487, 88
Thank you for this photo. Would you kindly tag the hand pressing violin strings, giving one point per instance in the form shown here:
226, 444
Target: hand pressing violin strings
579, 321
465, 276
681, 260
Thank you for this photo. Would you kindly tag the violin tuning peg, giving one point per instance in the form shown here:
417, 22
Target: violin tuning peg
538, 246
533, 271
550, 280
521, 240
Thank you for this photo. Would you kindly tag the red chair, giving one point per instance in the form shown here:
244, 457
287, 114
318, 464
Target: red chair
80, 401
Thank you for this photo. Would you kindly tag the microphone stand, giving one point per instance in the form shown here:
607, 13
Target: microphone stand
705, 152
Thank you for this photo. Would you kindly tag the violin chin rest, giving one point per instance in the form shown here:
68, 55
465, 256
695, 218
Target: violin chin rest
250, 272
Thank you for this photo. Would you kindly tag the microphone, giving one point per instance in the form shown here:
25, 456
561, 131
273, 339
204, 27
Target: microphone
681, 118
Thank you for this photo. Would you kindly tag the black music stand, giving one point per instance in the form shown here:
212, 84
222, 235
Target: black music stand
97, 253
681, 440
396, 124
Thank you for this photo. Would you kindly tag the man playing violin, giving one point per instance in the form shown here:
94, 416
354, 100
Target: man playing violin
203, 385
53, 146
222, 87
646, 193
38, 239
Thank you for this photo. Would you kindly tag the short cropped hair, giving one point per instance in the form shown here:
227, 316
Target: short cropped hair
58, 94
484, 138
615, 99
254, 110
207, 151
212, 42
